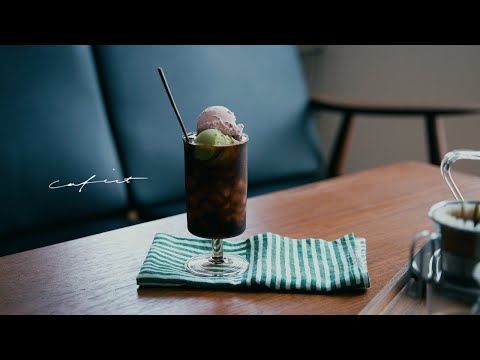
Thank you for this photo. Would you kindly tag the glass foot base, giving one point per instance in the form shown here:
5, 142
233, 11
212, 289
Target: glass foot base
203, 265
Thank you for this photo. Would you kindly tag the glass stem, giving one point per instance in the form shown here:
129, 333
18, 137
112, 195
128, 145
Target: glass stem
217, 247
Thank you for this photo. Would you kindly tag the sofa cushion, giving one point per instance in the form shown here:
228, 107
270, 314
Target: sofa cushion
54, 127
51, 235
263, 85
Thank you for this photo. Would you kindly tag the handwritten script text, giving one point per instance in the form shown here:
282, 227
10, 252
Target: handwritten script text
89, 181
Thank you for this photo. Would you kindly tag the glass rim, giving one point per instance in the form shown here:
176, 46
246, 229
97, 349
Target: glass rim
194, 133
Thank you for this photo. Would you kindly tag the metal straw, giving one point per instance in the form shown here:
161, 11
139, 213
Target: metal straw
169, 93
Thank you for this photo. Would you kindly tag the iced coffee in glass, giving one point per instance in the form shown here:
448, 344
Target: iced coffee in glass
216, 189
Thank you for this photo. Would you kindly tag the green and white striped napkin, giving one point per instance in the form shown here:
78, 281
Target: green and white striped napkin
276, 262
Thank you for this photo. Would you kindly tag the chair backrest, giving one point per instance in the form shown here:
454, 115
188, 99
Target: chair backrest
262, 85
53, 126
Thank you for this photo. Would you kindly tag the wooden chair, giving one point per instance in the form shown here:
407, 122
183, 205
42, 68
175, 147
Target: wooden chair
435, 133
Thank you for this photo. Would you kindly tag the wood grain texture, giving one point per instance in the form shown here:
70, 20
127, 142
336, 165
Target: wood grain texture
96, 274
385, 296
402, 304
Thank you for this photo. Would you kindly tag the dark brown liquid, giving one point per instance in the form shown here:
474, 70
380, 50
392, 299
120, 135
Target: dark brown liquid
216, 189
460, 242
464, 242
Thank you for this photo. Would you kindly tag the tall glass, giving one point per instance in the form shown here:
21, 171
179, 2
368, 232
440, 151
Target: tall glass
216, 195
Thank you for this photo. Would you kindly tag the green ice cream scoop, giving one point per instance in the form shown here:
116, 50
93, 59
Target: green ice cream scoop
210, 137
213, 137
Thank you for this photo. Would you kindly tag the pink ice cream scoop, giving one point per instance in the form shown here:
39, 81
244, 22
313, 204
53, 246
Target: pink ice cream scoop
219, 117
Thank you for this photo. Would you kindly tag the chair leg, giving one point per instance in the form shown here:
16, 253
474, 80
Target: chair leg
437, 141
340, 148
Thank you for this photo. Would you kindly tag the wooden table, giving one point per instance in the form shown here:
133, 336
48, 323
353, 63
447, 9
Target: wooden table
96, 274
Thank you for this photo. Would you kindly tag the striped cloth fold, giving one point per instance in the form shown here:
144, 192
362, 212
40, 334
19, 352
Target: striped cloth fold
276, 262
